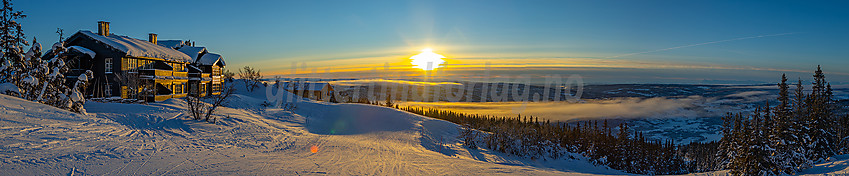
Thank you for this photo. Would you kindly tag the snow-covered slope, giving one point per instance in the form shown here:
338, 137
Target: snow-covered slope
159, 139
838, 165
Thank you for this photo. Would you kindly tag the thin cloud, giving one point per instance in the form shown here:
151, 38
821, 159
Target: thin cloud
698, 44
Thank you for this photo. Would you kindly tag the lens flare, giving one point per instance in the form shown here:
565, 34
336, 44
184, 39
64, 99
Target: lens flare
427, 60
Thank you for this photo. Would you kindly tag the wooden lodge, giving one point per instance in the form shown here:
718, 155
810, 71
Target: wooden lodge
135, 69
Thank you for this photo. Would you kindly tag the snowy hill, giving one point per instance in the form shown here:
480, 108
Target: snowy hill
159, 139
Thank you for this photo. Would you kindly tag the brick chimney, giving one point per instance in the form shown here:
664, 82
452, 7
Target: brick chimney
103, 28
152, 38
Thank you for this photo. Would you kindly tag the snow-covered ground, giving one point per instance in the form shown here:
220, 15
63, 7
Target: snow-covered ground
249, 139
159, 139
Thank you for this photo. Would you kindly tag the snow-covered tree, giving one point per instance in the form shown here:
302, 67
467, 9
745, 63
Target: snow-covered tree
31, 77
44, 80
821, 120
51, 87
800, 116
787, 138
12, 43
783, 138
31, 72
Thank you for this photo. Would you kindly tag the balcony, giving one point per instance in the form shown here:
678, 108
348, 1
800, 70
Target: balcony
163, 74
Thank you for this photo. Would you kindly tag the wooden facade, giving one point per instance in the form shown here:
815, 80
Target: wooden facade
205, 72
123, 67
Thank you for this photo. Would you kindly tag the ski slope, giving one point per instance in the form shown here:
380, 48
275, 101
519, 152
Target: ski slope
249, 139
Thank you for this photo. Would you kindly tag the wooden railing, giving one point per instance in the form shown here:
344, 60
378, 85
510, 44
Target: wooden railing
164, 73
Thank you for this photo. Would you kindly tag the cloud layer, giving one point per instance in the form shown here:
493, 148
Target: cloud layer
589, 109
389, 83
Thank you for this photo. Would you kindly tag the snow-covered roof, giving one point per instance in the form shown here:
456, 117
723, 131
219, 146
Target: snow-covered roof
170, 43
192, 51
211, 59
83, 50
138, 48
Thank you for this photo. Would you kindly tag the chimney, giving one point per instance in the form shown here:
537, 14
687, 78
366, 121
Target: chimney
103, 28
152, 38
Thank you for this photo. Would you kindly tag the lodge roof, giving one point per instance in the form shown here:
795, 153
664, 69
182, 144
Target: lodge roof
136, 47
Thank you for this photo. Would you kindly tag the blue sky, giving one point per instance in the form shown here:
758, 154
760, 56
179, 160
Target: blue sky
271, 35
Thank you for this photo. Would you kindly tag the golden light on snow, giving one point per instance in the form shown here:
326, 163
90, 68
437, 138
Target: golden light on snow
427, 60
314, 149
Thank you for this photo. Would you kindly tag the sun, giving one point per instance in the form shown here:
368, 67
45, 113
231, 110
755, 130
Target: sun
427, 60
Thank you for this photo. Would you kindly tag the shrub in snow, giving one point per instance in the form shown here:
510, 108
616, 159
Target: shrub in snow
199, 108
251, 77
228, 76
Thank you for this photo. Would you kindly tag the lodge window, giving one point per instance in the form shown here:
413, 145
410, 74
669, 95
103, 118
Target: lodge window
178, 88
193, 89
129, 64
176, 66
107, 90
124, 93
216, 71
134, 64
108, 63
216, 87
145, 64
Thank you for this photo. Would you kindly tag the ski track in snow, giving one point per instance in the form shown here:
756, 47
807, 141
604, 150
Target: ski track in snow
160, 139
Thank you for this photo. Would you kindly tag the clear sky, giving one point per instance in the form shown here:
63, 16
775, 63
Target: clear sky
604, 41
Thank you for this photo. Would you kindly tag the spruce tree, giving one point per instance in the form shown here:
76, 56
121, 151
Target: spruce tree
783, 138
12, 42
820, 120
800, 117
726, 149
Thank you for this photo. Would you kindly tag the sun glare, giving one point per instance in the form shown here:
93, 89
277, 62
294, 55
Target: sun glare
427, 60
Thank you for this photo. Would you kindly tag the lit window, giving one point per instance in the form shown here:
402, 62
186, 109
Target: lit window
125, 63
178, 88
134, 64
124, 93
